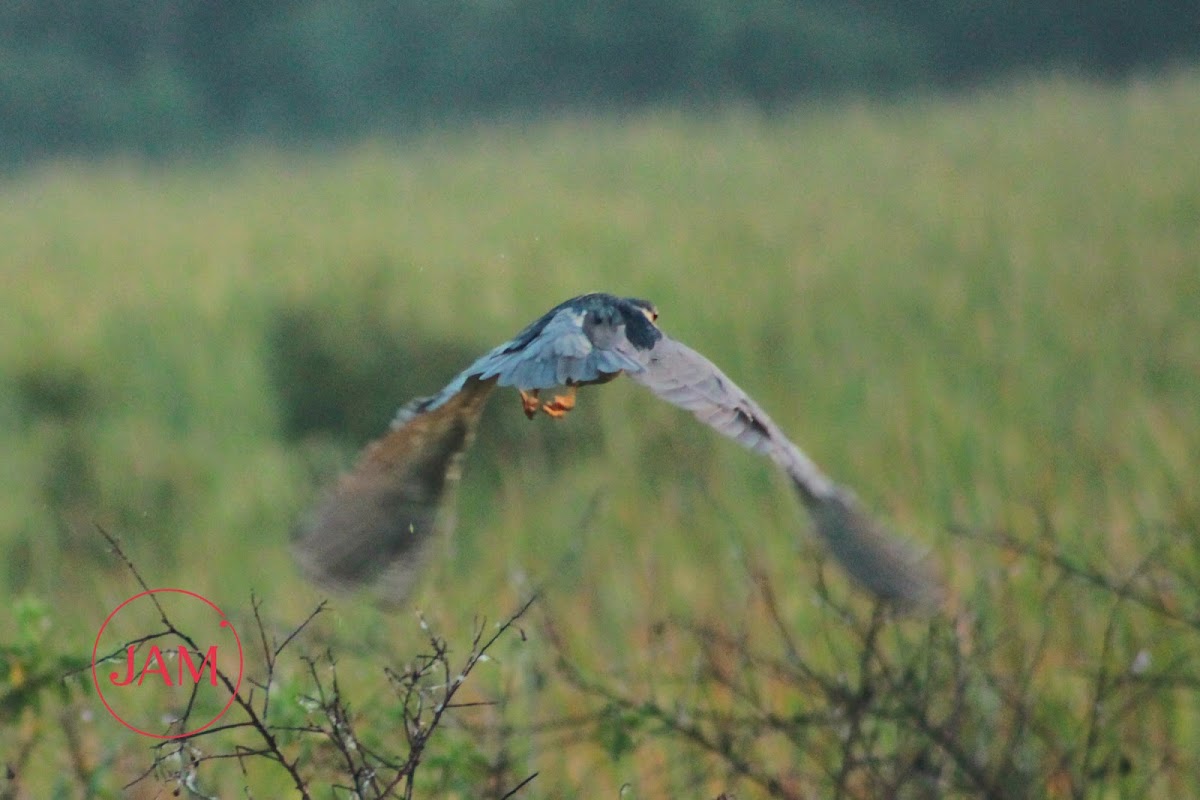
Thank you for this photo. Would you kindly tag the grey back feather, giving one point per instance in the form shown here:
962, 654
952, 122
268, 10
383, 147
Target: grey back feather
561, 353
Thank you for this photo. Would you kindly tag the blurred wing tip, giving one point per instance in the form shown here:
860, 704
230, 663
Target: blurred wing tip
891, 568
373, 529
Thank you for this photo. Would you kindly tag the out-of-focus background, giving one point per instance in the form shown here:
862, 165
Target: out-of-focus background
172, 76
953, 248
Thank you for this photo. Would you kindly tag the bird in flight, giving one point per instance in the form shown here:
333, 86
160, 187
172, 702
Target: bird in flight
374, 526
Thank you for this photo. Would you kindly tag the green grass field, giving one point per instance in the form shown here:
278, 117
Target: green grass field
981, 312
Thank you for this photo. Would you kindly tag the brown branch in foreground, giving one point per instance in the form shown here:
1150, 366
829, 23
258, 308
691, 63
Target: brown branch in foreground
970, 705
272, 749
426, 691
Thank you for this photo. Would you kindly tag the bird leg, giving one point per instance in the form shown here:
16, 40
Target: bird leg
529, 402
561, 404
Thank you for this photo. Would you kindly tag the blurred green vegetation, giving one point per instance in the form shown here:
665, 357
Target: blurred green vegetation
173, 76
981, 312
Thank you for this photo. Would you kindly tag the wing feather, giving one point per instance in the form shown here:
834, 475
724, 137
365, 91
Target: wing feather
884, 564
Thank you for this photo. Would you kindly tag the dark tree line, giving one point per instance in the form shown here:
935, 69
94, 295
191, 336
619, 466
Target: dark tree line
155, 76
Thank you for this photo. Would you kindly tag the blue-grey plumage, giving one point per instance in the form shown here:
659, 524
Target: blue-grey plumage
592, 339
586, 340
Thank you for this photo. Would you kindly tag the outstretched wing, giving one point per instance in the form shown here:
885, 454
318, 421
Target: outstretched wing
884, 564
375, 526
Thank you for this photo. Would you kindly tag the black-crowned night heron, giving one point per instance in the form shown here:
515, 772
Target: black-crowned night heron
375, 524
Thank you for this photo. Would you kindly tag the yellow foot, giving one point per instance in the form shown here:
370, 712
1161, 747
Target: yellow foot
529, 402
561, 404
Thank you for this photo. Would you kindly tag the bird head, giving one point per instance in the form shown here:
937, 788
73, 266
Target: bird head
645, 307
